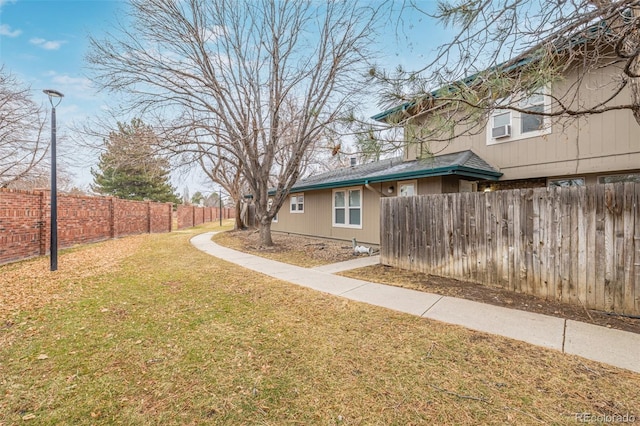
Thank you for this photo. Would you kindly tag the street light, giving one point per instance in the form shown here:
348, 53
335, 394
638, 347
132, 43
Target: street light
54, 187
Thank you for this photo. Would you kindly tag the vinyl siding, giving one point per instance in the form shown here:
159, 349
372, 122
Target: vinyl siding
318, 213
591, 144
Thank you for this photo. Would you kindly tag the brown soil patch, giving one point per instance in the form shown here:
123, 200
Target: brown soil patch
310, 252
293, 249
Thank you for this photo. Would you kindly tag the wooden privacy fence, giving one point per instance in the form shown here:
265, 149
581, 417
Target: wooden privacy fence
576, 245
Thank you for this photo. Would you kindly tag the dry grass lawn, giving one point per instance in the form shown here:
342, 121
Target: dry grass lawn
165, 334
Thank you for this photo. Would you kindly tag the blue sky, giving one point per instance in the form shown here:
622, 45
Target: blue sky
44, 42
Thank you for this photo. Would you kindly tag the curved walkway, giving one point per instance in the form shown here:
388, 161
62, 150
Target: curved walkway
613, 347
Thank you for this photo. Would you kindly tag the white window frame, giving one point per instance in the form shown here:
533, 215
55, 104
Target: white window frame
405, 183
515, 119
347, 208
294, 200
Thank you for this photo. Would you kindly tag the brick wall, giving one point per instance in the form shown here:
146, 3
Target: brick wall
21, 225
160, 217
25, 221
81, 219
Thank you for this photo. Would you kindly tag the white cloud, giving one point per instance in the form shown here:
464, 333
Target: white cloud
68, 80
80, 88
47, 44
3, 2
5, 30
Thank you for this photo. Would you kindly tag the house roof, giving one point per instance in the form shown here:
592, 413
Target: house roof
464, 163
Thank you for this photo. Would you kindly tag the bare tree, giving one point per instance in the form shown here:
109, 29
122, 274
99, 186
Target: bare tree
23, 147
226, 172
234, 66
505, 52
196, 145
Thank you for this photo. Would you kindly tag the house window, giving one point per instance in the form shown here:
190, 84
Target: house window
532, 122
408, 188
506, 125
564, 183
501, 118
631, 177
347, 208
297, 203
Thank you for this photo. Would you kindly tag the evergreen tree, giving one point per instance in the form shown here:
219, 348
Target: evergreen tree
129, 168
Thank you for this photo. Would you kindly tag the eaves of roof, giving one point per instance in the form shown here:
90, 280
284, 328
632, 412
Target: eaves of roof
504, 67
378, 177
436, 94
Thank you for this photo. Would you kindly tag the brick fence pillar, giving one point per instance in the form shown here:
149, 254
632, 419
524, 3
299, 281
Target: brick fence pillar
112, 217
148, 217
42, 222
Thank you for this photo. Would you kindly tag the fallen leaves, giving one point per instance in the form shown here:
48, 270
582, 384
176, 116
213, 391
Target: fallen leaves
29, 285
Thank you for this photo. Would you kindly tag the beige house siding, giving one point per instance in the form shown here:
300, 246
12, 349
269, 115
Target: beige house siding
591, 144
317, 219
318, 210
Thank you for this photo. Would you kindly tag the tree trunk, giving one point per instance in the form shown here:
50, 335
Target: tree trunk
239, 223
265, 233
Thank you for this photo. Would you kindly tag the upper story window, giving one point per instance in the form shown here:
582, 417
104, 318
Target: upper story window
296, 203
532, 122
347, 208
507, 125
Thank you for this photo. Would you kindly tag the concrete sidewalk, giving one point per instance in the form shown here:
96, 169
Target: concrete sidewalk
613, 347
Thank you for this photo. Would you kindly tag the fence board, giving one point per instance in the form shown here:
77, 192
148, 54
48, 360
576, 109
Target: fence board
628, 220
502, 240
618, 283
517, 242
590, 243
581, 233
636, 241
609, 246
473, 242
576, 245
573, 245
481, 240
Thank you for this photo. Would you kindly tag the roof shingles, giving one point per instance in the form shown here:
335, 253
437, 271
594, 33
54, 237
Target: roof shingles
464, 163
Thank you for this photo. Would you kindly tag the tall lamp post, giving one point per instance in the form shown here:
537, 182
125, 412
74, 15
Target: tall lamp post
54, 94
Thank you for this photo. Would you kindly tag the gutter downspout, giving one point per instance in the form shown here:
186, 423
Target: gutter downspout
372, 189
